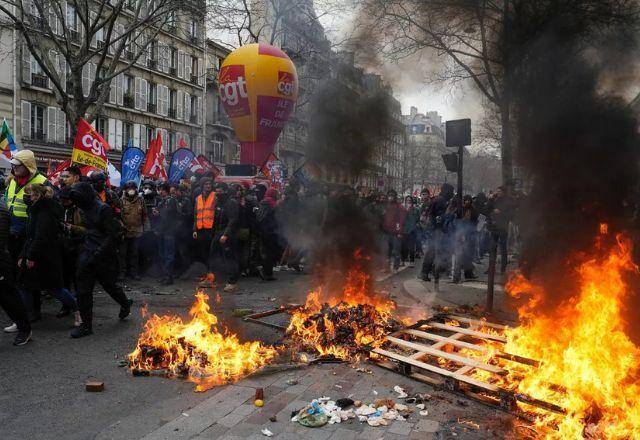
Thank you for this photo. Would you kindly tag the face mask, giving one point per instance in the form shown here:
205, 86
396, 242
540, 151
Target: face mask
147, 191
27, 199
131, 192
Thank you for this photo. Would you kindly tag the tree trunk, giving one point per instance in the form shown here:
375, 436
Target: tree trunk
505, 142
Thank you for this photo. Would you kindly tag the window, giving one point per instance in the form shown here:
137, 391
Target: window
173, 102
127, 133
37, 122
193, 107
153, 51
128, 85
194, 68
171, 23
193, 29
72, 18
150, 134
217, 155
153, 98
173, 57
101, 126
171, 141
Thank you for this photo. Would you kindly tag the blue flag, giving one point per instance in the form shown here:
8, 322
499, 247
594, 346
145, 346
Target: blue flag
132, 159
180, 162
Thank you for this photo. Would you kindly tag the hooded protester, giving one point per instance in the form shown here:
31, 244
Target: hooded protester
268, 231
223, 246
435, 259
98, 180
393, 226
136, 222
23, 172
98, 259
465, 240
9, 299
410, 236
40, 262
73, 236
168, 224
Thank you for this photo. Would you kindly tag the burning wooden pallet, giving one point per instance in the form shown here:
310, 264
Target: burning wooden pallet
432, 351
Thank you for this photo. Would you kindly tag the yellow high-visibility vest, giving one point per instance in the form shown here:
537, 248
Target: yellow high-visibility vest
15, 201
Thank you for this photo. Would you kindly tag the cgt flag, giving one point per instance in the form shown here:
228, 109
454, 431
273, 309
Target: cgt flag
154, 162
132, 159
180, 163
89, 148
201, 165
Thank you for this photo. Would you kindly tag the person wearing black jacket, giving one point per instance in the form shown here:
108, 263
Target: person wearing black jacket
167, 226
435, 258
268, 230
9, 299
223, 246
98, 260
40, 262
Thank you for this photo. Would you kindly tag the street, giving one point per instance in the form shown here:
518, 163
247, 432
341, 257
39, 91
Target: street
43, 395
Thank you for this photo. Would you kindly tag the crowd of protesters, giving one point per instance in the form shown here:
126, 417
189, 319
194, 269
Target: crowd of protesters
61, 239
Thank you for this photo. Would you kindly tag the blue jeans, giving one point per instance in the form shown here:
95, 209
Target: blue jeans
31, 300
168, 254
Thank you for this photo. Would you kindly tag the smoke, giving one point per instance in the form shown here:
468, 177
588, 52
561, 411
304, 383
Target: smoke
577, 140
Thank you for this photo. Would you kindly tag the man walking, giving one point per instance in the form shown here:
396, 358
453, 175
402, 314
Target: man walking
168, 223
223, 247
98, 260
136, 222
204, 217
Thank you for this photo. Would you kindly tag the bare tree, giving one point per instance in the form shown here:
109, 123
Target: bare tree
65, 36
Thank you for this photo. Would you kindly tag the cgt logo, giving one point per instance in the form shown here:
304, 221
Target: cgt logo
233, 90
92, 144
286, 83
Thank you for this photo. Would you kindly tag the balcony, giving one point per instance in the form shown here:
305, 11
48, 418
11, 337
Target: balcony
194, 40
193, 119
152, 64
74, 36
128, 55
172, 71
151, 108
194, 79
39, 81
100, 44
37, 135
128, 101
172, 113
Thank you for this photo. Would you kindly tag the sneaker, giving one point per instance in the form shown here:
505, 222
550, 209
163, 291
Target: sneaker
80, 332
13, 328
230, 288
125, 310
22, 338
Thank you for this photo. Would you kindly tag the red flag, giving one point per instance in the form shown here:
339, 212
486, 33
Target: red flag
265, 168
89, 148
154, 162
182, 143
54, 176
200, 165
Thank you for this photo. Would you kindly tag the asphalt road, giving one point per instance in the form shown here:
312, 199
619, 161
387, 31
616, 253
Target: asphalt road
42, 393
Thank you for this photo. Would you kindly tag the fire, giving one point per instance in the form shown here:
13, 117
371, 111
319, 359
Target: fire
588, 364
196, 349
341, 323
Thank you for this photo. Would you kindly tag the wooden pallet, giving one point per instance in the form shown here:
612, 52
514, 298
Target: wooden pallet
415, 352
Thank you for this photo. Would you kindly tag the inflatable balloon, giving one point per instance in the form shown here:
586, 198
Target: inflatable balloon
259, 87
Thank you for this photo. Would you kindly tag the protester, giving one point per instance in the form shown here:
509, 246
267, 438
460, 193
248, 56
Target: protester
465, 239
9, 299
393, 225
184, 241
223, 246
70, 176
98, 259
500, 211
268, 233
439, 214
410, 232
40, 262
73, 237
136, 223
167, 212
204, 221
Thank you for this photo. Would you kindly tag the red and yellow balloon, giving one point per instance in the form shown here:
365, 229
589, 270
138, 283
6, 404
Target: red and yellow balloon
259, 87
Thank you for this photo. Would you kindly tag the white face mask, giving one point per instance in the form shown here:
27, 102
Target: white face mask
147, 191
131, 192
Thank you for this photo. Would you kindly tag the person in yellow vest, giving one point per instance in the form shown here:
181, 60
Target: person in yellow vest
23, 172
204, 214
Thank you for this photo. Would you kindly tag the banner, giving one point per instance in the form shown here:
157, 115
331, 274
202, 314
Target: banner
7, 145
180, 162
132, 159
154, 162
54, 176
275, 171
201, 165
89, 148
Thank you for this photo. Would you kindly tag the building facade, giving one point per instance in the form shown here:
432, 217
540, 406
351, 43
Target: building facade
162, 93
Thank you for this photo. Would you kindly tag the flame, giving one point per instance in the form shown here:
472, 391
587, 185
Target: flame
588, 364
339, 323
196, 349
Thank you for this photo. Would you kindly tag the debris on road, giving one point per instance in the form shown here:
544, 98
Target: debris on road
401, 393
292, 382
267, 433
94, 386
241, 313
273, 419
259, 403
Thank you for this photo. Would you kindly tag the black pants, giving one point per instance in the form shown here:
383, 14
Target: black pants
271, 253
204, 246
224, 258
106, 273
14, 307
409, 242
130, 256
499, 239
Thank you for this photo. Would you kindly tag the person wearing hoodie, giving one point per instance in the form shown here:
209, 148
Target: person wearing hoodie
10, 301
438, 220
410, 237
40, 262
268, 232
98, 260
136, 223
23, 172
393, 227
167, 213
223, 245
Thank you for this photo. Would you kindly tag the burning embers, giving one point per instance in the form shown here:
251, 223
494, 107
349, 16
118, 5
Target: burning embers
342, 324
196, 350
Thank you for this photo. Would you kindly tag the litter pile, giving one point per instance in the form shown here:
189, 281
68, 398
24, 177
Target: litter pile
323, 410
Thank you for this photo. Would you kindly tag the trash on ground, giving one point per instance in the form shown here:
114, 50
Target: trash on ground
273, 419
94, 386
292, 382
266, 432
401, 393
240, 313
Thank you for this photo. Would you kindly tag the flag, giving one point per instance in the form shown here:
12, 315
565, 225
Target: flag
265, 168
180, 163
7, 145
89, 148
54, 176
275, 171
200, 165
132, 159
154, 162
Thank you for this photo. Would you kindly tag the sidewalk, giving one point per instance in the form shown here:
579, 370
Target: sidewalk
229, 414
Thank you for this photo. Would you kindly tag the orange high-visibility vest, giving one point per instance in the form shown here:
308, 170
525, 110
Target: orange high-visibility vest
205, 211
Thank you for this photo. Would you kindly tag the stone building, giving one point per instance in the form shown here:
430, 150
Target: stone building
162, 93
